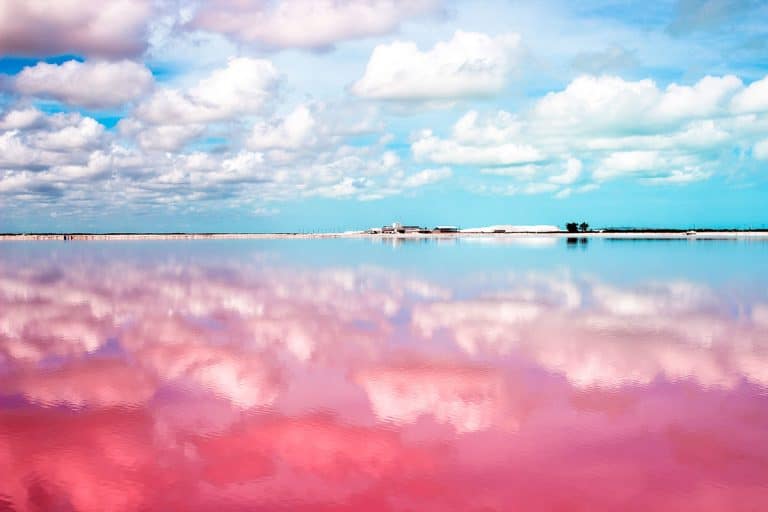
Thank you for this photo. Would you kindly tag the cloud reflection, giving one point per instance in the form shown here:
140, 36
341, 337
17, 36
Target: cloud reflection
228, 384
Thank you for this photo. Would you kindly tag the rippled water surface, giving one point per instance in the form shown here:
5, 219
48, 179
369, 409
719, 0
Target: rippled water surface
352, 375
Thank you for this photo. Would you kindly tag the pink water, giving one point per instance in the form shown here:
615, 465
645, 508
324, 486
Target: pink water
267, 377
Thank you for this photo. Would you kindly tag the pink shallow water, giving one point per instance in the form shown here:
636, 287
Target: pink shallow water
255, 385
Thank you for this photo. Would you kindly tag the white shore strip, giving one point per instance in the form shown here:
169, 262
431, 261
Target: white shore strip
708, 235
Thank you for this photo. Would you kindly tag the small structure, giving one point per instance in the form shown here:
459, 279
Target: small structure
396, 227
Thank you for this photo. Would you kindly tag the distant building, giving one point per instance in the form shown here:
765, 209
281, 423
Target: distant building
397, 227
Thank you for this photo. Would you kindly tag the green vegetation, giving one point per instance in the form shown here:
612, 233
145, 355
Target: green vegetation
575, 227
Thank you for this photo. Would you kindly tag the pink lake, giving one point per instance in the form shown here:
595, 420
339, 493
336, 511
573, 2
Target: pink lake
349, 375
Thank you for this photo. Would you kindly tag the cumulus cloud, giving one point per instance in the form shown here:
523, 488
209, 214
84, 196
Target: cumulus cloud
427, 146
57, 139
21, 118
306, 23
171, 117
73, 161
752, 99
476, 141
628, 162
469, 64
610, 126
427, 176
110, 28
165, 137
297, 129
572, 172
311, 126
591, 103
91, 84
242, 87
564, 143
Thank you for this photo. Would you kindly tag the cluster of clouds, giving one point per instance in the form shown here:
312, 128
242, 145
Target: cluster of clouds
309, 24
468, 64
122, 28
623, 128
150, 156
228, 134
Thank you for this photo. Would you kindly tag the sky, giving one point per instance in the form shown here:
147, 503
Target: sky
319, 115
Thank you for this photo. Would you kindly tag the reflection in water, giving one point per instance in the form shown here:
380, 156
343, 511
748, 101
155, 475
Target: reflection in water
154, 382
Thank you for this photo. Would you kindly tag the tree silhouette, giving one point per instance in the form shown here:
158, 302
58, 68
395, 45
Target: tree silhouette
584, 227
572, 227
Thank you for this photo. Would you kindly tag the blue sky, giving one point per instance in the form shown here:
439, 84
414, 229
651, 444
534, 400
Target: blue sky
313, 115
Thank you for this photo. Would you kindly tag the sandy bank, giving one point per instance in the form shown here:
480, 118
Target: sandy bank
709, 235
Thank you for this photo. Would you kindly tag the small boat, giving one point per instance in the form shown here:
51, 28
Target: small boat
690, 232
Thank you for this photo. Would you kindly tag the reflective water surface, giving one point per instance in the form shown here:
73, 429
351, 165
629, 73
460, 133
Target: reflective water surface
351, 375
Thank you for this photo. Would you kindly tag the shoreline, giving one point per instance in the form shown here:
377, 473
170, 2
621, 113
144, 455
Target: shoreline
644, 235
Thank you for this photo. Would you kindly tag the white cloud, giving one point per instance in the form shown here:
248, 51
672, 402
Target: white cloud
20, 119
52, 140
518, 171
657, 166
477, 141
242, 87
170, 118
93, 84
620, 128
80, 133
752, 99
469, 64
108, 28
590, 103
688, 174
497, 129
600, 103
426, 177
694, 135
539, 188
306, 23
427, 146
310, 128
62, 158
572, 172
296, 130
624, 162
168, 137
707, 97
